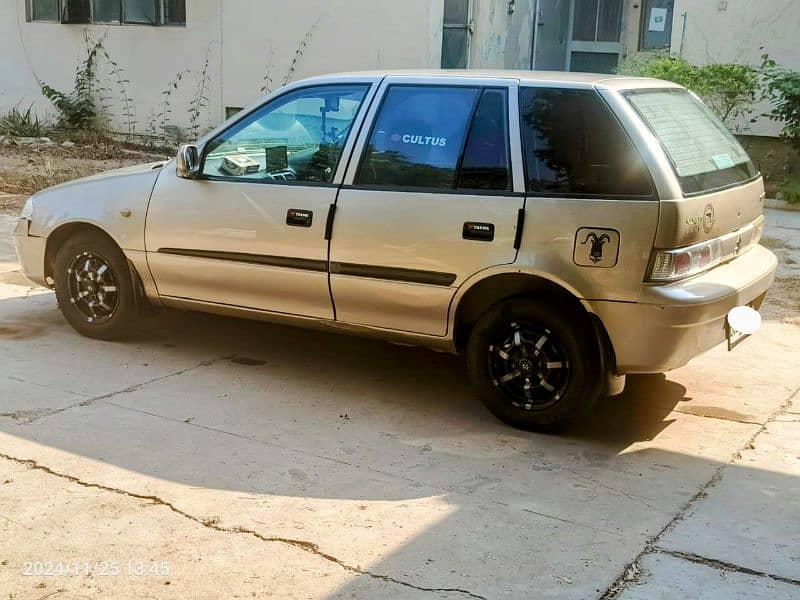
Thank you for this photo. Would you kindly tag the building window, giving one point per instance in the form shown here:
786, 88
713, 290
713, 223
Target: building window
141, 12
656, 31
105, 12
232, 111
597, 21
456, 33
174, 12
45, 10
595, 35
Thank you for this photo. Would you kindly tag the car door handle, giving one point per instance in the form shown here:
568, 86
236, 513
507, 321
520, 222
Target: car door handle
297, 217
483, 232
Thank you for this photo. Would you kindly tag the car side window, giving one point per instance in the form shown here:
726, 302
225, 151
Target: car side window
418, 137
575, 147
296, 137
486, 157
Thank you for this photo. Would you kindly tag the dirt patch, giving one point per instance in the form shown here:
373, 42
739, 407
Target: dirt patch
783, 301
773, 243
24, 170
773, 157
17, 331
250, 362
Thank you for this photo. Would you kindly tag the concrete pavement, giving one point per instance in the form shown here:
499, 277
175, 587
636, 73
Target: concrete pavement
213, 458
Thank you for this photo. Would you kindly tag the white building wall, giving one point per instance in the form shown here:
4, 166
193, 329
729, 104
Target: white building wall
243, 39
238, 37
502, 40
148, 56
338, 35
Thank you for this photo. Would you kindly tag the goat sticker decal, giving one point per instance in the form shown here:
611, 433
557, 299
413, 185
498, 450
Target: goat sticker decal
596, 247
596, 253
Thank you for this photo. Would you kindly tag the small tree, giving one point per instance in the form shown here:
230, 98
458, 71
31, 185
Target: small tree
77, 109
782, 90
731, 90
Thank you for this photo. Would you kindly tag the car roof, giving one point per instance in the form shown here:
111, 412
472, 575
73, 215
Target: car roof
531, 77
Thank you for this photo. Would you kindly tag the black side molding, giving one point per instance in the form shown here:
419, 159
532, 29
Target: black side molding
393, 273
309, 264
289, 262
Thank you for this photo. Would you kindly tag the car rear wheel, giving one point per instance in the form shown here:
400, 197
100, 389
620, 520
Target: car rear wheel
534, 366
94, 287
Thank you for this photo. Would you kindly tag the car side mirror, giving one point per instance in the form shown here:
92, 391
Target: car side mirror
188, 162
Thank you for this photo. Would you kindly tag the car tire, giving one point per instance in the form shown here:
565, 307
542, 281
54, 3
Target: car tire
534, 366
94, 288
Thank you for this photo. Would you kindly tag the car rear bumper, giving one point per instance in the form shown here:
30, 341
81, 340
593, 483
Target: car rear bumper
30, 251
671, 324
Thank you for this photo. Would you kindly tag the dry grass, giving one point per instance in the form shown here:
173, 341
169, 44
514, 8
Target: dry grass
25, 170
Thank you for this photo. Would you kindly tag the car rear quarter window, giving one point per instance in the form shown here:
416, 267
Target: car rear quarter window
703, 153
575, 147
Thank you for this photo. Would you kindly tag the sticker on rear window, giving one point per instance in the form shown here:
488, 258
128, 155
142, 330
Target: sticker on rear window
723, 161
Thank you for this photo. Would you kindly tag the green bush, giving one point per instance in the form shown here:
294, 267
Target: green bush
782, 89
790, 191
731, 90
77, 109
16, 123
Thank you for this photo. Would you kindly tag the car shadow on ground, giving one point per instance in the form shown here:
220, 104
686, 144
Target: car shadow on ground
395, 373
253, 378
327, 422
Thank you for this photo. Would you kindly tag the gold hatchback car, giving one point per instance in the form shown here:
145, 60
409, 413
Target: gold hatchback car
562, 230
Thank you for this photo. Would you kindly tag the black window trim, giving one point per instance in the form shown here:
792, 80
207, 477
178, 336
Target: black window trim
627, 93
467, 139
161, 17
481, 88
368, 85
653, 196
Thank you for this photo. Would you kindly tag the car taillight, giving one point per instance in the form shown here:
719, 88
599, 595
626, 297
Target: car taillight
670, 265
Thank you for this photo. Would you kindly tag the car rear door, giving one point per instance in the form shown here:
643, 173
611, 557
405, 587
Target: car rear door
430, 197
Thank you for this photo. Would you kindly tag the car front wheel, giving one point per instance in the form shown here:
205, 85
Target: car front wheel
533, 365
94, 287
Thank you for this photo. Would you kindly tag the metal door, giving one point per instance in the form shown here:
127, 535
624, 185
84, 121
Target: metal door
595, 38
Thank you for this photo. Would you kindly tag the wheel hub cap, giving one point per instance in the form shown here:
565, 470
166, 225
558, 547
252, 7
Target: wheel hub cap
92, 287
529, 365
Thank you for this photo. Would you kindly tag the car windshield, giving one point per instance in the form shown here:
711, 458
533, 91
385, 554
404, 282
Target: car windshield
703, 152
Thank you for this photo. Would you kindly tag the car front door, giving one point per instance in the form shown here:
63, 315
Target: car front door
432, 200
250, 231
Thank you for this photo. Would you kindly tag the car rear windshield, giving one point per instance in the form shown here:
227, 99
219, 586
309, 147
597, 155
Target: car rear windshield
703, 152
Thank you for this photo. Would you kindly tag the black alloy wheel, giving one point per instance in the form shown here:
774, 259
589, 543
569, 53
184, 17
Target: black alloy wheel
530, 365
93, 289
535, 364
94, 286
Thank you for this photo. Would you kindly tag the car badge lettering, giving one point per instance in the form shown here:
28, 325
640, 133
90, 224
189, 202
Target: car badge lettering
706, 220
424, 140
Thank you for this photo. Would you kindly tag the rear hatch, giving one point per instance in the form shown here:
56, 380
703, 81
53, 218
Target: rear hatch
722, 190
